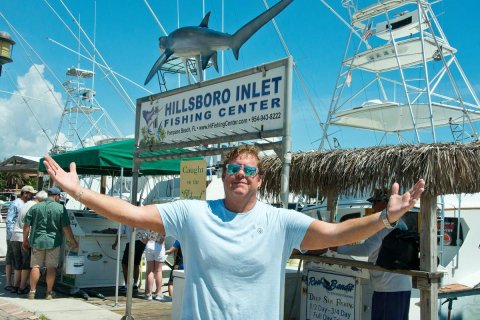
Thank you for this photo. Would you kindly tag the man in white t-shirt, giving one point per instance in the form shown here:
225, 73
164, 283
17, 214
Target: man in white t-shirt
387, 286
238, 243
22, 256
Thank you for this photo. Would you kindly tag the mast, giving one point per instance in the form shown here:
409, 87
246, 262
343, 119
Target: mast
84, 121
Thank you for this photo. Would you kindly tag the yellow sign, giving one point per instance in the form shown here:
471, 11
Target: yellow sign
193, 178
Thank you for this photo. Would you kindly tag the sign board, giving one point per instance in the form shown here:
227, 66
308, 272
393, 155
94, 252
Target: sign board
450, 231
193, 177
330, 296
250, 101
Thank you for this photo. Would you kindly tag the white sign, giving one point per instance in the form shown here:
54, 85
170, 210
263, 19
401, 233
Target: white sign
236, 104
330, 296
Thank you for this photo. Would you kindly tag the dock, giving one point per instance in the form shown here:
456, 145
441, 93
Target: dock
18, 307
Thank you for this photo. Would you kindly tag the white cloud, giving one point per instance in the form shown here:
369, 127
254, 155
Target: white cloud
35, 106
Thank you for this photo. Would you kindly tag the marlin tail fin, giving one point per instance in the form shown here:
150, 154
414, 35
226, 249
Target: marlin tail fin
158, 64
245, 32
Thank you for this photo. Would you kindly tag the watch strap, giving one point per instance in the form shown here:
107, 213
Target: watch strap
386, 223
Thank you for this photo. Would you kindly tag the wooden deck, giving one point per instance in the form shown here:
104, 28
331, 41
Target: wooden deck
141, 309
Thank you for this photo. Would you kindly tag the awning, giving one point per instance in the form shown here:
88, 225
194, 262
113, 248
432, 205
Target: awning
109, 158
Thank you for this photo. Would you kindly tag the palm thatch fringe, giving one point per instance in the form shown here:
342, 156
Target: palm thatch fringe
446, 168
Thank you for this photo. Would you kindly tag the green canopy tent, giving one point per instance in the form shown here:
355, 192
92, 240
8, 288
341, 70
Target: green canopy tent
108, 159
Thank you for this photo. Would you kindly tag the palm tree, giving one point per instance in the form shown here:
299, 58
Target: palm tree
14, 180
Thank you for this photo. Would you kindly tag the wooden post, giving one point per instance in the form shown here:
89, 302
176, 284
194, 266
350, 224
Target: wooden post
103, 184
428, 257
332, 199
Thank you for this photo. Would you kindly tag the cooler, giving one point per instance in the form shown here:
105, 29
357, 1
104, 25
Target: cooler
95, 235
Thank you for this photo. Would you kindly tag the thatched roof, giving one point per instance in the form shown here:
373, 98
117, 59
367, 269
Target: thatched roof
446, 168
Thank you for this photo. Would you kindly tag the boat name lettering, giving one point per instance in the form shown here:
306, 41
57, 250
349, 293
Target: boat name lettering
330, 285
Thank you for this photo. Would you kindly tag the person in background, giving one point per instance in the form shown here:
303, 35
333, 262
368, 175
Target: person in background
22, 256
176, 249
140, 242
155, 256
44, 226
219, 237
391, 291
26, 194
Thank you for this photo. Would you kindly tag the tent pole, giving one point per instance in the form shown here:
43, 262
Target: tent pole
131, 252
119, 244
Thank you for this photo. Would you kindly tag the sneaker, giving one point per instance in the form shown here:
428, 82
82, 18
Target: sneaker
50, 295
135, 288
31, 295
162, 298
24, 290
148, 296
122, 289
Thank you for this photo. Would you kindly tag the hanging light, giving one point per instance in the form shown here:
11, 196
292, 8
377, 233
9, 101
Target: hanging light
6, 46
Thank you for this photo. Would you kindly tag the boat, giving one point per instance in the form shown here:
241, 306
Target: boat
411, 75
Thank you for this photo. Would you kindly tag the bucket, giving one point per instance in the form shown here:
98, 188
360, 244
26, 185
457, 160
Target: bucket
74, 264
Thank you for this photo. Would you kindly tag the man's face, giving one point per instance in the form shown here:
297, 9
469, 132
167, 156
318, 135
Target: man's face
239, 185
379, 205
26, 196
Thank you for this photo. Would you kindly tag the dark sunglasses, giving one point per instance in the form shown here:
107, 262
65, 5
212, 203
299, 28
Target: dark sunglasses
249, 171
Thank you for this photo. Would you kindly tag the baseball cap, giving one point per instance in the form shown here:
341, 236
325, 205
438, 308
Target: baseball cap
28, 189
53, 191
379, 195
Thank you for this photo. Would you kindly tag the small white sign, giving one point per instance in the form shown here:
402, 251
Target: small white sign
330, 296
242, 103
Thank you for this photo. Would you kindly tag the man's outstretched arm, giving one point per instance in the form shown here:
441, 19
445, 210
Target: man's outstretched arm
323, 234
112, 208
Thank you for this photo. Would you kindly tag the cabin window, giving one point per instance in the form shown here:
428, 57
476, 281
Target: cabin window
400, 23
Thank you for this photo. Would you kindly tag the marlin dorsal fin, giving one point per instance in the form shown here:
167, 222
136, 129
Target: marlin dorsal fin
204, 23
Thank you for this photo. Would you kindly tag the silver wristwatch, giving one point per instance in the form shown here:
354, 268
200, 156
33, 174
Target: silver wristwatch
386, 223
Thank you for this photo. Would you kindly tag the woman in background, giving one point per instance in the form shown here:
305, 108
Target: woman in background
155, 256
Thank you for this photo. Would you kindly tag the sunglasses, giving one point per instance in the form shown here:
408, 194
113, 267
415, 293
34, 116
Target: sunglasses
249, 171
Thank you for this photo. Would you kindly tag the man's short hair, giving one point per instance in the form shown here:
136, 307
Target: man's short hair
41, 195
243, 149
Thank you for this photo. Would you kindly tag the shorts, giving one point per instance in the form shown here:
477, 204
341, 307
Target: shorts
9, 257
155, 251
21, 257
139, 248
45, 257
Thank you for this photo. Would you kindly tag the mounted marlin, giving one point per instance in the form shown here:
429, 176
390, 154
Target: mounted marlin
203, 43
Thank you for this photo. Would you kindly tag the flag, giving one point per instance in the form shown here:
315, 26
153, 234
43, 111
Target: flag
348, 79
368, 32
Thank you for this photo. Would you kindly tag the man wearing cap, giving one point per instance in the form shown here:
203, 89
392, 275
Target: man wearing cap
26, 194
21, 256
43, 230
391, 291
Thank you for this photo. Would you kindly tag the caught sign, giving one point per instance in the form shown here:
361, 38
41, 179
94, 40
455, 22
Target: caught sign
245, 102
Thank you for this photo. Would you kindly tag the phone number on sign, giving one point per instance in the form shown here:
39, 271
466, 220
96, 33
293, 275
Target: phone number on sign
265, 117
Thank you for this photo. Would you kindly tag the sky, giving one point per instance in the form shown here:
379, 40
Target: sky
126, 34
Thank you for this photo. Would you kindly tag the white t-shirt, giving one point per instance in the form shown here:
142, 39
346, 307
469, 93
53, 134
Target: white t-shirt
18, 230
234, 263
380, 281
